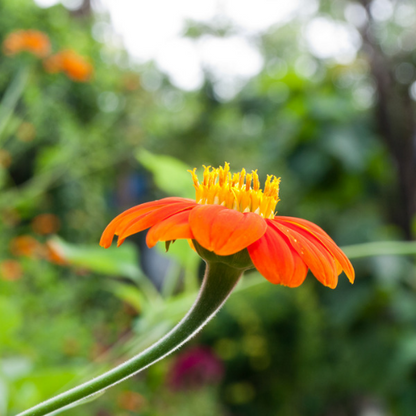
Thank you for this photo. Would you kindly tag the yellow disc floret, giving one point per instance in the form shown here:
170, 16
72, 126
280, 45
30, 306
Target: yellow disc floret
239, 191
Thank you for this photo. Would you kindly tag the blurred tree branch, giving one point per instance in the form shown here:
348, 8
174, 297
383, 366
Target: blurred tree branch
394, 118
84, 10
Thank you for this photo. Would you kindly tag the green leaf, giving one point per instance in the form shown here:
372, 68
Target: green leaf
42, 385
11, 97
187, 259
170, 174
10, 320
128, 294
122, 261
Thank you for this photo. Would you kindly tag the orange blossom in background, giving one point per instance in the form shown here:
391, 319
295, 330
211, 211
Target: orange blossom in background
33, 41
75, 66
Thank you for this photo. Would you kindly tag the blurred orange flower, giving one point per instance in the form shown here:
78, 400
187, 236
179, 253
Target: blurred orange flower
232, 214
10, 270
33, 41
131, 82
26, 132
130, 400
25, 245
45, 224
68, 61
5, 158
53, 254
10, 217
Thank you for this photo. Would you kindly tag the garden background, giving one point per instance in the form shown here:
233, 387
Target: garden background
338, 127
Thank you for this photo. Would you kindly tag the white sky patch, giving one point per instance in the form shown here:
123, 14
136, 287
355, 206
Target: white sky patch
328, 38
412, 91
46, 3
230, 56
381, 10
72, 4
231, 61
258, 15
145, 28
153, 30
179, 59
356, 14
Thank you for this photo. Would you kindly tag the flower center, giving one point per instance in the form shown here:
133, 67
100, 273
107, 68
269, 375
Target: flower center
239, 191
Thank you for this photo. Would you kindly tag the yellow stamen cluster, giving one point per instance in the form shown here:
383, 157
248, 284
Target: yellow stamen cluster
239, 191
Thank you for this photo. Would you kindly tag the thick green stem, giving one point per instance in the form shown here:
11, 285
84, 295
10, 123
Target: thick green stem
218, 283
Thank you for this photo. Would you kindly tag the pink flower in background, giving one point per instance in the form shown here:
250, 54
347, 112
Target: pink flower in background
195, 368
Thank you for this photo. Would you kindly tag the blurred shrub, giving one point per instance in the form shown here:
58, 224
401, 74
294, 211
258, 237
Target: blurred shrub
73, 154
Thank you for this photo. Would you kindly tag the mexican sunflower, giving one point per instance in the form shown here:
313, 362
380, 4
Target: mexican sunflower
33, 41
232, 214
73, 65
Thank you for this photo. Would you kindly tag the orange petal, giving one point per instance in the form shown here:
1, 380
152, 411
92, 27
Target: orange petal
306, 227
313, 253
191, 244
173, 228
225, 231
125, 217
138, 211
300, 270
272, 257
150, 219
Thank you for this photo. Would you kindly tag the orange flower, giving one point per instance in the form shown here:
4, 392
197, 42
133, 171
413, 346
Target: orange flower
130, 400
231, 214
5, 159
10, 270
26, 132
68, 61
54, 254
45, 224
25, 245
32, 41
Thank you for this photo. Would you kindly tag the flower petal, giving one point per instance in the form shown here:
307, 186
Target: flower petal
300, 270
313, 253
304, 223
150, 219
118, 223
272, 257
308, 227
172, 228
191, 244
225, 231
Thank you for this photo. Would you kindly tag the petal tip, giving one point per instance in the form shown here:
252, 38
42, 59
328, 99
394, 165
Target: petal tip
106, 241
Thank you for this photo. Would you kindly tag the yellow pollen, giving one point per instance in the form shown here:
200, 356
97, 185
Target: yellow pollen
239, 191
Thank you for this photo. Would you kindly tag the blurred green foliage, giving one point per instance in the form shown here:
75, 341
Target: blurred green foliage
82, 152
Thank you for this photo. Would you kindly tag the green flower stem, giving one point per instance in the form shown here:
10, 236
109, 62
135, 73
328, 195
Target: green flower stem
219, 281
380, 248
